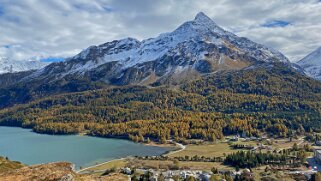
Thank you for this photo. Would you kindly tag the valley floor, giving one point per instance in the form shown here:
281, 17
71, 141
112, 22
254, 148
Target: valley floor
171, 164
187, 160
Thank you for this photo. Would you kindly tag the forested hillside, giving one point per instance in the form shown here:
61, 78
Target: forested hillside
274, 99
18, 92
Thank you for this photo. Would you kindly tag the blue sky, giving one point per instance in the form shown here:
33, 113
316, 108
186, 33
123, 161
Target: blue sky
54, 29
52, 59
1, 10
276, 23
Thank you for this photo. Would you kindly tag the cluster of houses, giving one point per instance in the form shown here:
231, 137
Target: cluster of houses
245, 138
252, 138
183, 174
169, 175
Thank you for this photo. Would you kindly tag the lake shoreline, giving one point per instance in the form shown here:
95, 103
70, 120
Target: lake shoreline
152, 143
177, 148
90, 149
103, 163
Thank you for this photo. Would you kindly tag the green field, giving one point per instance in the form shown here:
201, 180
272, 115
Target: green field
209, 150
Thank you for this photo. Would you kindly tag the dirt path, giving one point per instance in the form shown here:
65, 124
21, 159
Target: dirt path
81, 170
181, 148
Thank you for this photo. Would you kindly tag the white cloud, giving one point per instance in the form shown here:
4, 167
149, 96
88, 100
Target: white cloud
59, 28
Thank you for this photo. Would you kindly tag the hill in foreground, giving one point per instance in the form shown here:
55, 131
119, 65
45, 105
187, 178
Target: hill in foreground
61, 171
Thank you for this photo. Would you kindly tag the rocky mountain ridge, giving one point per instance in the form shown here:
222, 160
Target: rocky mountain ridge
195, 48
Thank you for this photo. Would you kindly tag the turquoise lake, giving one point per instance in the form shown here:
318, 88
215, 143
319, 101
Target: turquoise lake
31, 148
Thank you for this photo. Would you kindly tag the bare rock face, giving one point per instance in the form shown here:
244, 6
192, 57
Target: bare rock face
67, 177
194, 49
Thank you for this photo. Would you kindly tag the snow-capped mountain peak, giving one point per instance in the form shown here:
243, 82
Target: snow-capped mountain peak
202, 18
196, 47
203, 21
202, 26
312, 64
313, 58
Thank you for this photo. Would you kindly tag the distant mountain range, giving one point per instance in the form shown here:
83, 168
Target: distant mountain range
12, 66
196, 48
312, 64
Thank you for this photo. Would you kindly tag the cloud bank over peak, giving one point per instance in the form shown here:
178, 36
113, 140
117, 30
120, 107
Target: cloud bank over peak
35, 29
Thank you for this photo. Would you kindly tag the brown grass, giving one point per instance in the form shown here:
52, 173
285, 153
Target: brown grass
207, 150
159, 164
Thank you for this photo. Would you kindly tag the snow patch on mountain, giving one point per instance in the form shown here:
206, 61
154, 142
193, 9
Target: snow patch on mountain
196, 47
201, 29
312, 64
10, 66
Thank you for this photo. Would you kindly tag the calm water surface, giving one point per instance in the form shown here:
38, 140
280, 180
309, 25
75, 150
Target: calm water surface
32, 148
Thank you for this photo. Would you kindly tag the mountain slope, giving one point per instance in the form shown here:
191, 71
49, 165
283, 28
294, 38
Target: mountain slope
271, 98
195, 48
312, 64
11, 66
10, 79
